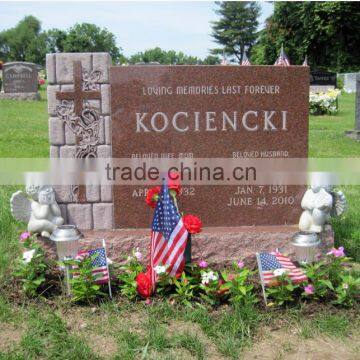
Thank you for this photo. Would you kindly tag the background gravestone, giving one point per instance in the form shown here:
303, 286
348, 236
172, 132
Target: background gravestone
20, 81
349, 80
355, 134
321, 81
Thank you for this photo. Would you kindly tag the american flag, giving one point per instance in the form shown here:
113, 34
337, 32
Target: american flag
282, 60
268, 262
99, 264
305, 63
168, 237
224, 61
245, 61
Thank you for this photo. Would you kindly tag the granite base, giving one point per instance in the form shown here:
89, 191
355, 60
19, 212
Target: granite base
353, 134
20, 96
218, 246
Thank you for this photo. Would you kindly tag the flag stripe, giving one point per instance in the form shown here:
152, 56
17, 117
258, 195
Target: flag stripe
171, 244
160, 245
178, 241
168, 237
152, 248
178, 256
99, 264
273, 261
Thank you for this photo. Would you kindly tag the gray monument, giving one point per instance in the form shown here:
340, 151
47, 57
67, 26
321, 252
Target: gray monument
20, 81
350, 82
355, 134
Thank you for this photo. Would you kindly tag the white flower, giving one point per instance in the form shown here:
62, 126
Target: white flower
208, 276
323, 103
160, 269
279, 272
28, 255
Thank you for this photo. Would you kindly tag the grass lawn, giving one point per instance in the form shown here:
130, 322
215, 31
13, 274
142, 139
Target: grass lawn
53, 329
326, 135
24, 128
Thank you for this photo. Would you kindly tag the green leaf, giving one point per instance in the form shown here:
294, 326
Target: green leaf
242, 290
327, 283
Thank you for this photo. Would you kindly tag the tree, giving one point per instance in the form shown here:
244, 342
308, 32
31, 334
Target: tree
236, 29
23, 42
90, 38
27, 42
150, 55
55, 39
170, 57
211, 60
327, 32
4, 47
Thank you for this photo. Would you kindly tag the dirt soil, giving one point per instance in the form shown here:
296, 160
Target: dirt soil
10, 336
282, 344
271, 343
77, 323
178, 327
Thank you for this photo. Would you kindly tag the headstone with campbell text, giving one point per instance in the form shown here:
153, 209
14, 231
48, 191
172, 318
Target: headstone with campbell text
20, 80
20, 77
231, 112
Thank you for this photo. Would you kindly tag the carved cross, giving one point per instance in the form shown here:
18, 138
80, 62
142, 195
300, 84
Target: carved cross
78, 95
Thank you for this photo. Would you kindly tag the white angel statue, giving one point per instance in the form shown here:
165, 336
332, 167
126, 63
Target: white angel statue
320, 203
38, 208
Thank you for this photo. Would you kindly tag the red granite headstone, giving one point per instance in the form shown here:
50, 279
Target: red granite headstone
198, 96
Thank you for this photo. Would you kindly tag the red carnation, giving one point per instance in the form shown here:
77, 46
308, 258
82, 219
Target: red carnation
192, 223
152, 196
143, 285
174, 181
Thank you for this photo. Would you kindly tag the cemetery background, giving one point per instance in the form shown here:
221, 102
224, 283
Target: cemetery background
129, 330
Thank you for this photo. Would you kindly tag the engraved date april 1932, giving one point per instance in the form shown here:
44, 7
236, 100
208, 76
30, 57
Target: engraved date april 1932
184, 191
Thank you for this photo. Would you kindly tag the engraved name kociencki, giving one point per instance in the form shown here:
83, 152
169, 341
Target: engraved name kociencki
183, 121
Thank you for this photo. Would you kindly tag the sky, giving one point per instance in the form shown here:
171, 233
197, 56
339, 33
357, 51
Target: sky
181, 26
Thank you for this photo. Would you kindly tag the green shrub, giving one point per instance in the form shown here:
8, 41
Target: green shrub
340, 82
333, 279
238, 287
30, 269
348, 233
210, 291
82, 282
347, 227
318, 275
184, 289
127, 277
284, 292
348, 291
